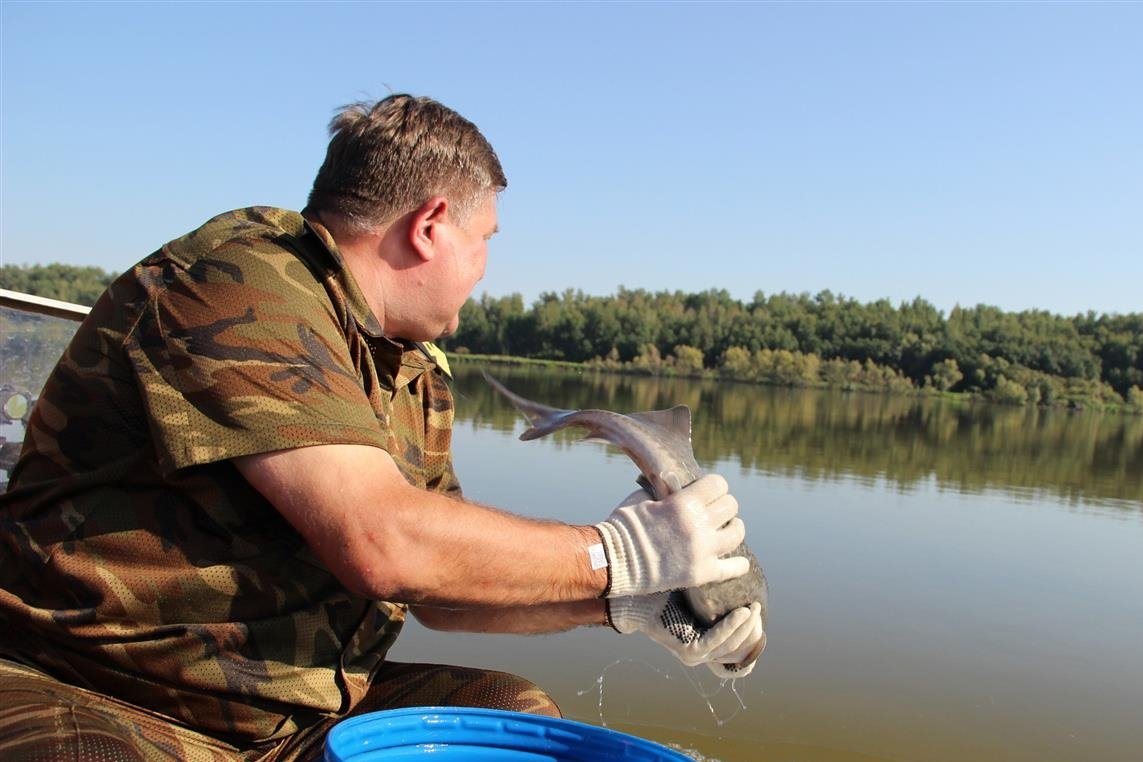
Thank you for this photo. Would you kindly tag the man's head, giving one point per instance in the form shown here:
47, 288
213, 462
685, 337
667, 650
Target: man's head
408, 191
387, 158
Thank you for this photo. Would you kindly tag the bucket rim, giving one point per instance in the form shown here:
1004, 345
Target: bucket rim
434, 728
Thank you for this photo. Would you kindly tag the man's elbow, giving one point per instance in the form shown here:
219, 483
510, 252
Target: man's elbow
371, 570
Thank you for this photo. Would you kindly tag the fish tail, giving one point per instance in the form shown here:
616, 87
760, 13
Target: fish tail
543, 419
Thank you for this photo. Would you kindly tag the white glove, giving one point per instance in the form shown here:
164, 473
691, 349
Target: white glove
730, 647
740, 663
673, 543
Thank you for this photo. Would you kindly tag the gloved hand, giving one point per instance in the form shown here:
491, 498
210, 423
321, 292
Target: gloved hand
676, 542
665, 618
741, 661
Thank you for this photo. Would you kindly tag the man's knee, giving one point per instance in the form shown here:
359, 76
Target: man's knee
41, 723
503, 690
405, 685
43, 720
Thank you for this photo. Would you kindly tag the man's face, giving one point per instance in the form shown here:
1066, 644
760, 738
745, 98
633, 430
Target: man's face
465, 252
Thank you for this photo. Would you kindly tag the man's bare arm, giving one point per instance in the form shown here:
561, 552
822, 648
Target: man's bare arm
520, 620
386, 539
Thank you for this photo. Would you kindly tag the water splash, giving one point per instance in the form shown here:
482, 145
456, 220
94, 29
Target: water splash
598, 685
707, 696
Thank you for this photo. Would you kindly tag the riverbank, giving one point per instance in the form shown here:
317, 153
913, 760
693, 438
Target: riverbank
795, 370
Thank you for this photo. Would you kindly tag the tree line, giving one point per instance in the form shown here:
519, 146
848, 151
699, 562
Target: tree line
68, 283
786, 339
1032, 356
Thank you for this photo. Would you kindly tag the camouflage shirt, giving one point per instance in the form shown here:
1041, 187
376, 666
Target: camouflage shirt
134, 558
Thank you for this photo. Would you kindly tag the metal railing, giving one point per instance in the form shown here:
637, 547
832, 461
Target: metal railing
40, 305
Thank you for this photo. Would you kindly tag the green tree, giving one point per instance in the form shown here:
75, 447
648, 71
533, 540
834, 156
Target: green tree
687, 360
1009, 392
946, 374
69, 283
649, 359
798, 339
736, 362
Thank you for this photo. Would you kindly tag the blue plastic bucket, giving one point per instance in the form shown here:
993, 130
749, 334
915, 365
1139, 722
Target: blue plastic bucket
453, 733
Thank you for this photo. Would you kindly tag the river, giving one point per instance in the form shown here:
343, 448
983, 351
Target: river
948, 581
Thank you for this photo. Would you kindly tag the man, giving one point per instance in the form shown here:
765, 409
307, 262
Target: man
238, 480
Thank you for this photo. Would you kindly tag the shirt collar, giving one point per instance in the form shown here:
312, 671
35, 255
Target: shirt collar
358, 307
403, 361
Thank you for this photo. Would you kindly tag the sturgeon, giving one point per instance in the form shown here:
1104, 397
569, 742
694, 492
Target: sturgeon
659, 442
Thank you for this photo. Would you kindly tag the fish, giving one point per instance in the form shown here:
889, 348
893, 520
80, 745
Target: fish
659, 443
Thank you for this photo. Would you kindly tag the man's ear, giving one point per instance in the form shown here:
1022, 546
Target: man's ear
423, 226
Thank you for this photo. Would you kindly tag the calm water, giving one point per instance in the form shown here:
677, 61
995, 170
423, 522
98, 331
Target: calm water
947, 582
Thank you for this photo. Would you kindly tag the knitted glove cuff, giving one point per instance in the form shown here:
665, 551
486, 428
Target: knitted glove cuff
621, 572
633, 613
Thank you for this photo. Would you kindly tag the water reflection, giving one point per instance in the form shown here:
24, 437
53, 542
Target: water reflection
947, 582
817, 435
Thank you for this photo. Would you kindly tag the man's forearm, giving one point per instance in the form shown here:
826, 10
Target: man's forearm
521, 620
459, 554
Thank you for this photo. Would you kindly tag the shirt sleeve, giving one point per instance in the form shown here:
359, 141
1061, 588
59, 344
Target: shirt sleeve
241, 352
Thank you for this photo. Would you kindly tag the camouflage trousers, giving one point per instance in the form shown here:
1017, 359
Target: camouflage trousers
44, 720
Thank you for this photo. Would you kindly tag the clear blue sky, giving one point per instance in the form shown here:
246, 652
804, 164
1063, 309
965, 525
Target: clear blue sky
963, 152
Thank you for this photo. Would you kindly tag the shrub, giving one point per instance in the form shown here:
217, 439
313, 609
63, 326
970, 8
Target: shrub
1008, 392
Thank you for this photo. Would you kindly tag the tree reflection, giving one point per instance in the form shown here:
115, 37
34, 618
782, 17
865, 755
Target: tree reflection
829, 434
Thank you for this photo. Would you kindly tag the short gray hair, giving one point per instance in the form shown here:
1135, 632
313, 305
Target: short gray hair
389, 157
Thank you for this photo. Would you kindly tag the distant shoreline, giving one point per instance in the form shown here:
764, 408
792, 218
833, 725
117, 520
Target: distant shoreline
715, 375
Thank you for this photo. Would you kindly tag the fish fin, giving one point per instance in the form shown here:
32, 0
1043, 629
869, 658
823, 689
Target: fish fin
677, 420
645, 483
673, 481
